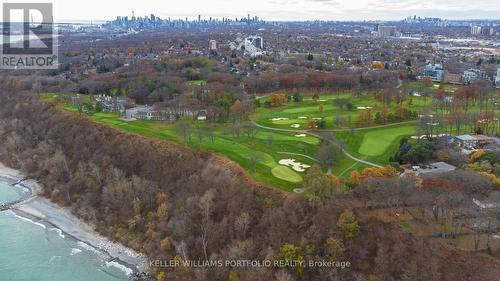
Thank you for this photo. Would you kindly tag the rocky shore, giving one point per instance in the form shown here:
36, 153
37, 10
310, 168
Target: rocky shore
43, 211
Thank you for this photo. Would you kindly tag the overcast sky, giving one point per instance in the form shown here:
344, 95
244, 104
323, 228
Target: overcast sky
278, 9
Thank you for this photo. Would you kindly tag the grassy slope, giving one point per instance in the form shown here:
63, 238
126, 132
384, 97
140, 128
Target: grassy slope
377, 142
375, 145
241, 150
245, 151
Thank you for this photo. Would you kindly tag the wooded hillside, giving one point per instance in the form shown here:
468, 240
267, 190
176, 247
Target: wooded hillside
167, 201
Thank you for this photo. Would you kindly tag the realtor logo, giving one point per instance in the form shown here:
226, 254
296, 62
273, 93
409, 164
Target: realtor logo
29, 40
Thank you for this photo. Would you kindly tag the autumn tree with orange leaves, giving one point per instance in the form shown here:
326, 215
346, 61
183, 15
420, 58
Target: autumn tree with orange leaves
385, 172
312, 123
277, 99
384, 114
237, 110
365, 117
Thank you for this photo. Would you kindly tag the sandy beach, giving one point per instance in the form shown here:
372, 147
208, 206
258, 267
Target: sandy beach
10, 175
47, 212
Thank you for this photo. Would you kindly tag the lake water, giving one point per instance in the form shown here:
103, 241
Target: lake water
9, 194
32, 251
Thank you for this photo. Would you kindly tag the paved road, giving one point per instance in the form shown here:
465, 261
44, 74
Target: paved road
344, 151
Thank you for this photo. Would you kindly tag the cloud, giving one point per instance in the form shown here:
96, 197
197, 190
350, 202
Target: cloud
281, 9
325, 2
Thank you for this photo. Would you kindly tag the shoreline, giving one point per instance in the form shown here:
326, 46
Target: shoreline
41, 210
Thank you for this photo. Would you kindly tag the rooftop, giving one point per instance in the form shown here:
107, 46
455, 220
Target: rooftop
465, 138
438, 167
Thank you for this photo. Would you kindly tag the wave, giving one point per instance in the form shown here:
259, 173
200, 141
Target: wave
121, 267
75, 251
25, 190
26, 219
87, 247
58, 232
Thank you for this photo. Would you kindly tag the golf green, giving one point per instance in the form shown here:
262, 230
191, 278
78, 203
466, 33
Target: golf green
376, 142
286, 174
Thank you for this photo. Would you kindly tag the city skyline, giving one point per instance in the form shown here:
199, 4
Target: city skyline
279, 10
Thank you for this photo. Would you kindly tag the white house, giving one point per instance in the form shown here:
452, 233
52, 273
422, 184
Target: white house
146, 113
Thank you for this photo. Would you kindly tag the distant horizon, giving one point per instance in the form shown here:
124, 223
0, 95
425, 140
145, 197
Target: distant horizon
278, 10
266, 20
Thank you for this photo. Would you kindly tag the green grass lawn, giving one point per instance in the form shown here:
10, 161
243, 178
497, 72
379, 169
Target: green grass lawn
377, 142
375, 145
285, 173
196, 82
260, 156
244, 151
292, 113
346, 166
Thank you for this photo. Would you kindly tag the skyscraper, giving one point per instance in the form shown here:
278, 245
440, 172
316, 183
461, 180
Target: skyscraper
256, 41
212, 45
487, 31
475, 30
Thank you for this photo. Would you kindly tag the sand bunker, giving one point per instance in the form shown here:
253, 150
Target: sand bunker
295, 126
292, 163
301, 136
279, 119
303, 117
364, 107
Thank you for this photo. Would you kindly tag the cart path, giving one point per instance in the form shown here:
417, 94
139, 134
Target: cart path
344, 151
298, 154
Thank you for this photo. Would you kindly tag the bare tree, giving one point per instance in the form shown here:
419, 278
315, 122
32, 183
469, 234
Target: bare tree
328, 155
184, 129
270, 140
206, 205
253, 160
